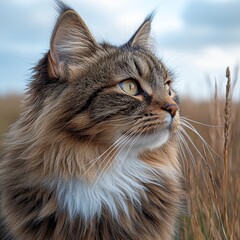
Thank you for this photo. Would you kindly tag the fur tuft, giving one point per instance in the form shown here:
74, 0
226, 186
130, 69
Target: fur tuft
62, 7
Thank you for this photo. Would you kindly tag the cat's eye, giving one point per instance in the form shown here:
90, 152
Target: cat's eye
130, 87
167, 88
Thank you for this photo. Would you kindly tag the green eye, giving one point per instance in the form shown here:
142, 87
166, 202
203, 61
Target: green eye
130, 87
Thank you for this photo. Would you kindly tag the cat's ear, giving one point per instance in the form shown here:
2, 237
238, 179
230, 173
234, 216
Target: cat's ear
71, 43
142, 37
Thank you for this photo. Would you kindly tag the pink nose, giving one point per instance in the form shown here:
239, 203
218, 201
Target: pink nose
171, 108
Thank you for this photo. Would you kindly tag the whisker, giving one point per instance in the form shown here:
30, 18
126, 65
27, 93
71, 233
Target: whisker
200, 154
203, 173
111, 149
107, 166
217, 210
186, 124
191, 127
118, 141
182, 153
188, 149
120, 125
190, 140
203, 124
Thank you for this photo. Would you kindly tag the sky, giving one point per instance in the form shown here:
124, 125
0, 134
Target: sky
197, 40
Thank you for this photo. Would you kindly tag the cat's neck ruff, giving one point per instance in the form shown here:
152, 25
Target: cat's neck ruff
113, 190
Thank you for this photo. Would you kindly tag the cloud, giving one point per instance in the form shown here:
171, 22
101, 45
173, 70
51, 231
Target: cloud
223, 15
206, 24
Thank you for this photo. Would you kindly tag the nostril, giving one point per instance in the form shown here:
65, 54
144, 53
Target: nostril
171, 108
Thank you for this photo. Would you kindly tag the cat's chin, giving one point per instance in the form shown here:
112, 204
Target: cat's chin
149, 141
152, 140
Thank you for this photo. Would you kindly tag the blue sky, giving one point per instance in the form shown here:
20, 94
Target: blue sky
196, 39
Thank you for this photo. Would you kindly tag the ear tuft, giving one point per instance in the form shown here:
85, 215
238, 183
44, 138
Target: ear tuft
61, 7
141, 37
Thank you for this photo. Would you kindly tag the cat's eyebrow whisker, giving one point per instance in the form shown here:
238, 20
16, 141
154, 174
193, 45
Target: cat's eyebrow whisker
203, 124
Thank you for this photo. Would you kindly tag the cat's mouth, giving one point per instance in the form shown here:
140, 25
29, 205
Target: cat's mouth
158, 127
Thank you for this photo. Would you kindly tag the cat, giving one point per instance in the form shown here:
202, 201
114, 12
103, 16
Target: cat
94, 154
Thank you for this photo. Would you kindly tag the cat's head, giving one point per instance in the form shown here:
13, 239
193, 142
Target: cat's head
103, 94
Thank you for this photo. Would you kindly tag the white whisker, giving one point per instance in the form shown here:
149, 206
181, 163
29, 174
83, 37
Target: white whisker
106, 164
203, 124
187, 148
108, 151
191, 127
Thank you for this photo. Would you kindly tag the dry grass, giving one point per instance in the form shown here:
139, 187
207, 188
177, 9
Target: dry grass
9, 111
212, 172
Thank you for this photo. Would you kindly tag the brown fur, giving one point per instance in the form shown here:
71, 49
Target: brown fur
73, 113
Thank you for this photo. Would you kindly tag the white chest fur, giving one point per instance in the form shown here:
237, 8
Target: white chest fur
112, 190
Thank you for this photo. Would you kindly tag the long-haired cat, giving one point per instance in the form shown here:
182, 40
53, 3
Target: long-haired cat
94, 153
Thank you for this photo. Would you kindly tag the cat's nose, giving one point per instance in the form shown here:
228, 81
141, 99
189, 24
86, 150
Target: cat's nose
171, 108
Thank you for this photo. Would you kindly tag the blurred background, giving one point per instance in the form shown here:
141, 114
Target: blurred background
197, 40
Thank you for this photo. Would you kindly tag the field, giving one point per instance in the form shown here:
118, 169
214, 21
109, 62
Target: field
210, 156
9, 111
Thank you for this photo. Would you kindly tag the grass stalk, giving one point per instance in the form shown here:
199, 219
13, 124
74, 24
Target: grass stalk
227, 123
